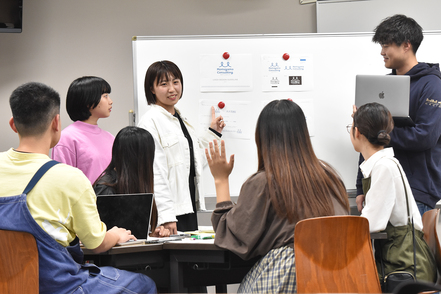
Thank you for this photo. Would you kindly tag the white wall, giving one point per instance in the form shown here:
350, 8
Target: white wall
63, 40
364, 15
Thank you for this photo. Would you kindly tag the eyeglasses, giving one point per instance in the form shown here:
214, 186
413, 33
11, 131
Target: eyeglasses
349, 128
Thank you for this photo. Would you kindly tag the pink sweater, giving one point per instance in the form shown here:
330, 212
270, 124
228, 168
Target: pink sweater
86, 147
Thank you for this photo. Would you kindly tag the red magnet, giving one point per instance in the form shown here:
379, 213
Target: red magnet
226, 55
286, 56
221, 105
289, 99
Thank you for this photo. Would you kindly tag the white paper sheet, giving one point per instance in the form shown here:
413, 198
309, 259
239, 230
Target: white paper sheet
226, 75
294, 74
234, 114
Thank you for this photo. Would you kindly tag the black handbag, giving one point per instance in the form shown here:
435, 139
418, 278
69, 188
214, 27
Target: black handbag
394, 279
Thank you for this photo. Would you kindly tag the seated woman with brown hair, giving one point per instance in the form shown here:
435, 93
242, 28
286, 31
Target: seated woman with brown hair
291, 184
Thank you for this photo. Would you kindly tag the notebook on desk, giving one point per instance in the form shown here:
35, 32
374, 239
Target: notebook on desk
129, 211
390, 90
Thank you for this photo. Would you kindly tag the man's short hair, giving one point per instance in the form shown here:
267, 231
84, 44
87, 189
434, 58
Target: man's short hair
399, 29
83, 94
33, 107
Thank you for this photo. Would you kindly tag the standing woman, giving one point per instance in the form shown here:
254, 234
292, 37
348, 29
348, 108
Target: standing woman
386, 188
179, 155
291, 184
84, 144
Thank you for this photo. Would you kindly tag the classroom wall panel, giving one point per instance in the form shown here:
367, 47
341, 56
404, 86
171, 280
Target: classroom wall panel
337, 16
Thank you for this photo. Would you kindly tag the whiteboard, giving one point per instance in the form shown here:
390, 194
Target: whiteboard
337, 58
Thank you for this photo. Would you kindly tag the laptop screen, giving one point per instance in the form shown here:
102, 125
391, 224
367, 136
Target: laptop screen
128, 211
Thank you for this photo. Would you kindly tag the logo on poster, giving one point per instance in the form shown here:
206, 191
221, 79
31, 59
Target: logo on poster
225, 69
274, 67
294, 67
274, 81
295, 80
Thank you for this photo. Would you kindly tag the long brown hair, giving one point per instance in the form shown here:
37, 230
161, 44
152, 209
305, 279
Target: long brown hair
133, 153
300, 185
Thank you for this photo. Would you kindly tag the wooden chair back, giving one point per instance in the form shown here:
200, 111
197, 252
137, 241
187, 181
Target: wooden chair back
430, 228
18, 262
334, 255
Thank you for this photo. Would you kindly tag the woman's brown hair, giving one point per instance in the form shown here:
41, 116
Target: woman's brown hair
160, 70
300, 185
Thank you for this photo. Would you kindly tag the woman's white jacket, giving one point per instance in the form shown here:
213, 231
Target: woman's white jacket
172, 162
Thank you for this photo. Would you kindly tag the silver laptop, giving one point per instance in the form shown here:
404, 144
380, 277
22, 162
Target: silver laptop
390, 90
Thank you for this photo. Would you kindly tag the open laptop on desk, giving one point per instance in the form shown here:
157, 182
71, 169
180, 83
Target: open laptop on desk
129, 211
390, 90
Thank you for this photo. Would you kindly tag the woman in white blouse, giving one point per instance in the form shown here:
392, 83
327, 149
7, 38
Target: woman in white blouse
179, 151
385, 187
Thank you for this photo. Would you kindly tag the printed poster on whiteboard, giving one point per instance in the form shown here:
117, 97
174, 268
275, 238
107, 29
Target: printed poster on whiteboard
234, 114
287, 73
233, 74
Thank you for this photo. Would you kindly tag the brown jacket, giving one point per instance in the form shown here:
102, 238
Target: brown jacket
251, 227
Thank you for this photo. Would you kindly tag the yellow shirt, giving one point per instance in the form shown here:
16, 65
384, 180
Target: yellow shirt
63, 202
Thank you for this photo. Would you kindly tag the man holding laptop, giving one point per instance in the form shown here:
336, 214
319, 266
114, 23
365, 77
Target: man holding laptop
418, 147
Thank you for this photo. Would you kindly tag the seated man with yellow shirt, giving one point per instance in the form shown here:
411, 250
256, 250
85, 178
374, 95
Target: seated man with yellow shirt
60, 207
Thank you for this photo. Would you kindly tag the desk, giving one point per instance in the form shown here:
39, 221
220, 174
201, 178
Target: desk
204, 264
175, 266
149, 259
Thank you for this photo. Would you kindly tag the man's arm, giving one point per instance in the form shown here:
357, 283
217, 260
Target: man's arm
113, 236
426, 114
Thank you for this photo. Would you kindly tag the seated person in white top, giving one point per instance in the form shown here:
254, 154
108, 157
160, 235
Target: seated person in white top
385, 185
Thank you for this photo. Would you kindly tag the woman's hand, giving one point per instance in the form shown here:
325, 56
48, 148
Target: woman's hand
360, 201
219, 166
171, 227
161, 231
220, 169
217, 123
354, 110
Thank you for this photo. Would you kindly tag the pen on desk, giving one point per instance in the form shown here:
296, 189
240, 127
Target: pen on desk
198, 237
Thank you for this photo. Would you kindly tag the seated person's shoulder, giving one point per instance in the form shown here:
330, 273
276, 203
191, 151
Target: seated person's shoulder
104, 185
256, 181
259, 176
386, 164
68, 176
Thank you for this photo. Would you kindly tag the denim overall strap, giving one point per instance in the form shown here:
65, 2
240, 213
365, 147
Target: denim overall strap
41, 171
